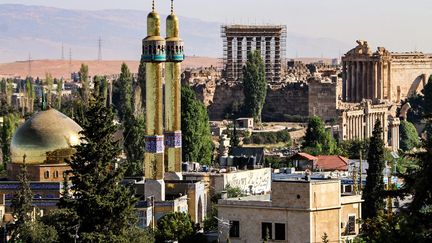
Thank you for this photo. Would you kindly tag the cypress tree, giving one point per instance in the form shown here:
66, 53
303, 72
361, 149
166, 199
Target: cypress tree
85, 89
254, 85
373, 193
22, 201
105, 207
124, 105
197, 143
409, 138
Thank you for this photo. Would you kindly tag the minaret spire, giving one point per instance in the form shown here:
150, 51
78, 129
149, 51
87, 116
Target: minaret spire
172, 6
153, 5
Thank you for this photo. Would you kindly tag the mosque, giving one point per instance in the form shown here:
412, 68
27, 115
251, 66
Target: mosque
45, 141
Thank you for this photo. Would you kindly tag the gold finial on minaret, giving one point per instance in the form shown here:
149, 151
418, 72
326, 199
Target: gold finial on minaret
153, 6
172, 6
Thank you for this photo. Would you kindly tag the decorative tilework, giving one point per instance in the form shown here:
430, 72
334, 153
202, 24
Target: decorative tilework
173, 139
154, 144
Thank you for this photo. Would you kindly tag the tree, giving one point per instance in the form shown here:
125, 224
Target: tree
124, 104
10, 124
254, 85
49, 84
141, 80
85, 89
59, 94
427, 98
134, 144
175, 226
30, 95
197, 143
22, 201
317, 140
373, 193
353, 148
409, 138
105, 207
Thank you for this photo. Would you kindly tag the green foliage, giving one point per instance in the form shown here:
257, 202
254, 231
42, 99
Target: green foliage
59, 94
85, 89
22, 201
210, 221
317, 140
373, 193
35, 231
197, 143
384, 229
234, 192
48, 82
10, 124
352, 148
269, 138
124, 86
254, 86
105, 207
325, 238
421, 104
134, 144
65, 222
175, 226
427, 98
409, 138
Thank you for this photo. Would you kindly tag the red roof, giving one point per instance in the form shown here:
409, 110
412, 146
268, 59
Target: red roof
305, 156
331, 162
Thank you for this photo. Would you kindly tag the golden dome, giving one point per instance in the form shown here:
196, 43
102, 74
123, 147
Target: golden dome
47, 137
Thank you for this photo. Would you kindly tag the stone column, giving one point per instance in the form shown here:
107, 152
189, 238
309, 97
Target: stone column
365, 80
344, 81
389, 84
358, 82
353, 82
375, 79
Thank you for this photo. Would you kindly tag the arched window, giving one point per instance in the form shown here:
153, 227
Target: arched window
56, 174
46, 174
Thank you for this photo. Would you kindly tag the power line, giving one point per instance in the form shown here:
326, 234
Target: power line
29, 65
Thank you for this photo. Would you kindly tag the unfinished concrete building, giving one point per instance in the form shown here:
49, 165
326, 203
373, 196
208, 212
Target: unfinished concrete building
239, 40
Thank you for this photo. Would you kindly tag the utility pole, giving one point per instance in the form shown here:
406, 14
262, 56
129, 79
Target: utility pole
70, 62
62, 51
100, 49
361, 170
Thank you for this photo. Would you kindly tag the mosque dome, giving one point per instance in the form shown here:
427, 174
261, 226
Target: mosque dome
47, 137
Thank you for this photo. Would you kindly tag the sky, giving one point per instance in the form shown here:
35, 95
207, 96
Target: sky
399, 25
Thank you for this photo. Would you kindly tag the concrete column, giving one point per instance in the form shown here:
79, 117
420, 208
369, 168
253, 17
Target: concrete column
229, 64
239, 70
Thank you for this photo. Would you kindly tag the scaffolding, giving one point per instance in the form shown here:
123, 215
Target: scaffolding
239, 40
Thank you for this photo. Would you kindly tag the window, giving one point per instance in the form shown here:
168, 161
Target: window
46, 174
351, 225
234, 229
279, 231
266, 231
56, 174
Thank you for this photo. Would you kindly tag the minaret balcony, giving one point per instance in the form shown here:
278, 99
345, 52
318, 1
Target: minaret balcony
175, 51
154, 51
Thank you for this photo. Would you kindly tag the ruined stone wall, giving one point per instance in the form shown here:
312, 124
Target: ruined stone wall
410, 75
322, 100
286, 100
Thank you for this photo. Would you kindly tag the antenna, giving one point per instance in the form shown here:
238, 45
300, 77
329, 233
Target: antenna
100, 49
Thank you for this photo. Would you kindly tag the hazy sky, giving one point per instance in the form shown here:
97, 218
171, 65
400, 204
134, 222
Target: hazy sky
399, 25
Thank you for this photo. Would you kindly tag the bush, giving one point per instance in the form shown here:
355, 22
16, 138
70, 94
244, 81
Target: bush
269, 138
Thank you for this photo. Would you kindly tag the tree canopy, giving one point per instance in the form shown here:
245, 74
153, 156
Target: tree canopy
373, 193
254, 85
197, 143
409, 138
317, 140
